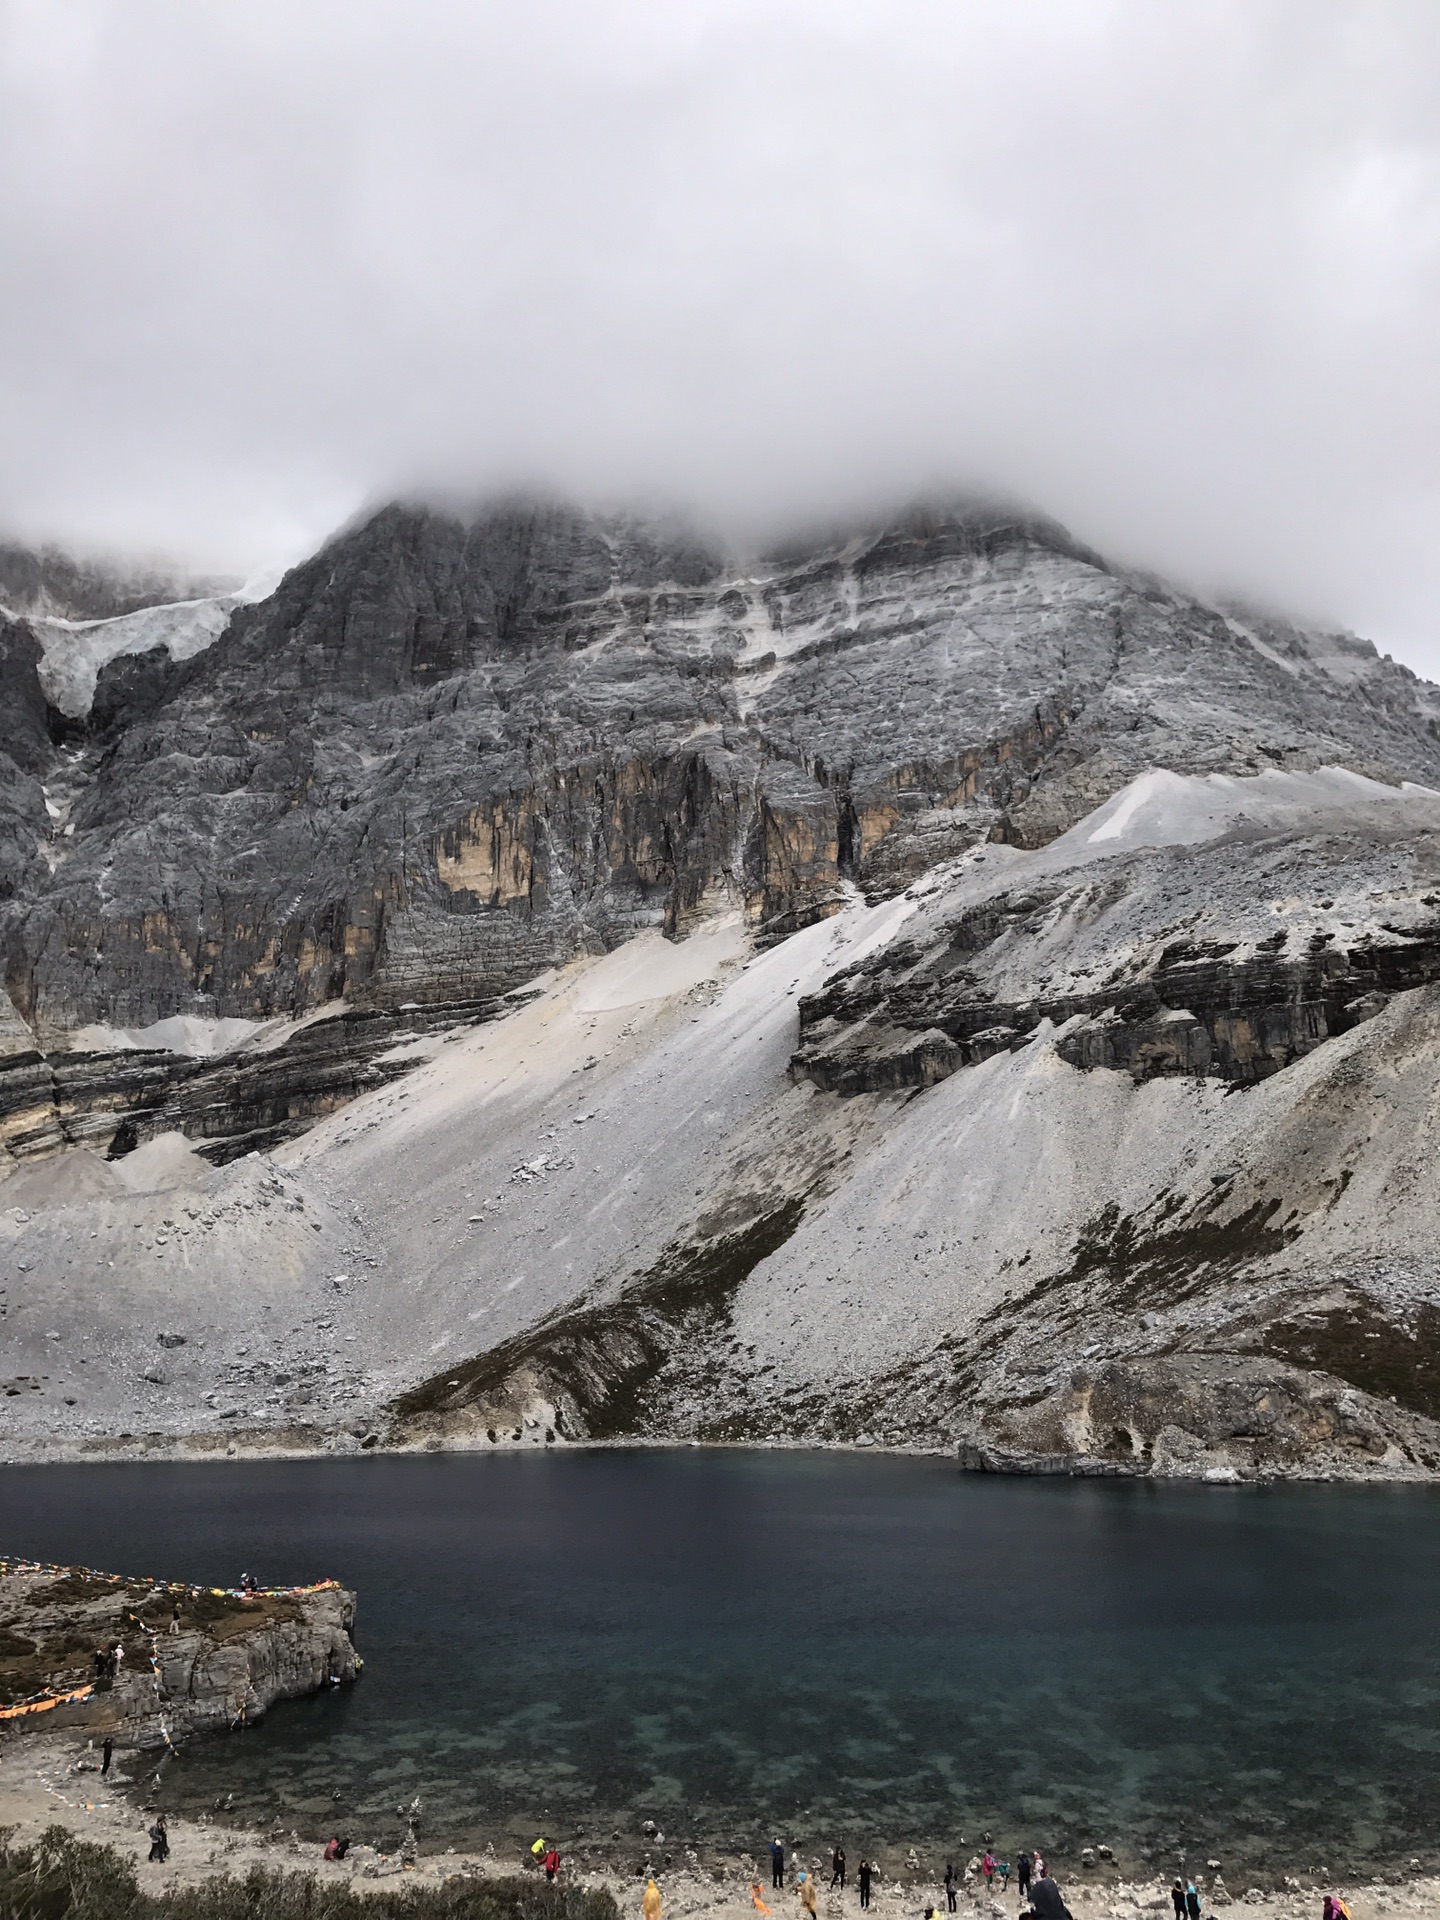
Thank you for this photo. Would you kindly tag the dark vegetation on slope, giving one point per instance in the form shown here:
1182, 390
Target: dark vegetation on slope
62, 1877
603, 1365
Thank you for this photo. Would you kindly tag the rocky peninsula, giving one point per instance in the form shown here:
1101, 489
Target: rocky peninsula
145, 1663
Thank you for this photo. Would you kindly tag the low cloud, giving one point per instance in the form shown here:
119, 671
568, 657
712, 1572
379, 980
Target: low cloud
1168, 271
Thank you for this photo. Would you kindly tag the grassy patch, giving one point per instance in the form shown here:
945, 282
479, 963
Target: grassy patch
1358, 1343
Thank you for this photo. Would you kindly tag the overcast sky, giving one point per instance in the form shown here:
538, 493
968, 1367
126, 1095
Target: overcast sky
1169, 268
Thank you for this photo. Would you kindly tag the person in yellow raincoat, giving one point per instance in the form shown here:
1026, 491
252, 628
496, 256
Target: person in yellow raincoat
650, 1905
807, 1893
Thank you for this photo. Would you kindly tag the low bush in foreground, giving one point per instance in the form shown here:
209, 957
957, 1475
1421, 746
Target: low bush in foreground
63, 1877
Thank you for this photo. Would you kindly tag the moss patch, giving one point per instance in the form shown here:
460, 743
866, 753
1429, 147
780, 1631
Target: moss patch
1360, 1344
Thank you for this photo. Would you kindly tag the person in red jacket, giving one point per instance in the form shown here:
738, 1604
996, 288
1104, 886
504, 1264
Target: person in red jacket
552, 1863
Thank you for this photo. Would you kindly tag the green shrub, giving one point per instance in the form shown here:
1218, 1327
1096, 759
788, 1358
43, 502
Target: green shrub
65, 1878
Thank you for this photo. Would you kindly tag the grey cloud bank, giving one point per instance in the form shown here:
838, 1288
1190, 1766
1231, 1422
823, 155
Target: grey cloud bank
1169, 272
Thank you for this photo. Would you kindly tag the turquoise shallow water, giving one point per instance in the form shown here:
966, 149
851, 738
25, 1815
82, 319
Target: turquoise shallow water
885, 1650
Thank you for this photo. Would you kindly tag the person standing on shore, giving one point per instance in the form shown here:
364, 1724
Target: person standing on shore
1177, 1899
987, 1867
837, 1869
159, 1840
1022, 1874
865, 1871
1004, 1872
1192, 1900
1047, 1899
107, 1749
650, 1905
950, 1886
777, 1862
806, 1891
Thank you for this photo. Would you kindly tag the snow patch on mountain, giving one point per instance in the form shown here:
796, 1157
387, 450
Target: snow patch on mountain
1164, 809
74, 651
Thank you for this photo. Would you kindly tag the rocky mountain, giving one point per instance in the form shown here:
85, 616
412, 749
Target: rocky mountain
793, 996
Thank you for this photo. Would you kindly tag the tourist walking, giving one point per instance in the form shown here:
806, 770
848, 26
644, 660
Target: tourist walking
107, 1749
1004, 1876
950, 1886
865, 1871
159, 1840
806, 1890
837, 1869
1023, 1865
1192, 1900
777, 1863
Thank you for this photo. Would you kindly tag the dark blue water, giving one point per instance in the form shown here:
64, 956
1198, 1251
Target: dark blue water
888, 1650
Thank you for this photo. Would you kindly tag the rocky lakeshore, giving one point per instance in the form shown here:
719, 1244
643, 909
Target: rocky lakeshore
52, 1780
146, 1663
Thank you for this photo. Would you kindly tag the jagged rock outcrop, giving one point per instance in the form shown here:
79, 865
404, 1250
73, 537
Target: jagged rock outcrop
250, 1098
154, 1662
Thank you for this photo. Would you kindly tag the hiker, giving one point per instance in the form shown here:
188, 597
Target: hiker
865, 1871
987, 1867
337, 1849
807, 1893
837, 1869
650, 1905
1037, 1869
107, 1749
552, 1864
1192, 1900
538, 1850
1177, 1898
1004, 1876
159, 1840
175, 1619
949, 1886
1335, 1908
777, 1863
1046, 1898
1022, 1875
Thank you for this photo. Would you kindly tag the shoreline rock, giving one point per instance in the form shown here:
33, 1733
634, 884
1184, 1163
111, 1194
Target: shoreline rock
147, 1663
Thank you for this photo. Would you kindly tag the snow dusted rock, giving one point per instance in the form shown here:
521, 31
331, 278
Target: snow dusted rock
442, 756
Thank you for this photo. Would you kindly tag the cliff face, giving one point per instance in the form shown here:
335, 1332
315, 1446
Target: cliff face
443, 756
191, 1659
977, 998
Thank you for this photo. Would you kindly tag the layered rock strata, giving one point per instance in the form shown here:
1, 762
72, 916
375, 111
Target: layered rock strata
149, 1663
